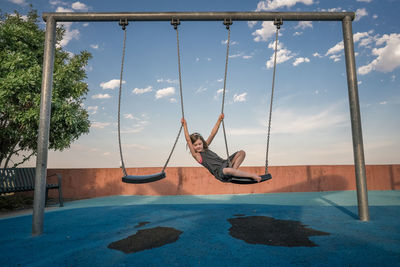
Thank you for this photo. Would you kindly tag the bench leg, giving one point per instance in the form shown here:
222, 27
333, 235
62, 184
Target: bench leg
60, 195
47, 196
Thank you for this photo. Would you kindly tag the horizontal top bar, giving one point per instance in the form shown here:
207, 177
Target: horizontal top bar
198, 16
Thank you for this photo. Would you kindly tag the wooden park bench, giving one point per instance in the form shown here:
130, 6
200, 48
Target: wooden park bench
14, 180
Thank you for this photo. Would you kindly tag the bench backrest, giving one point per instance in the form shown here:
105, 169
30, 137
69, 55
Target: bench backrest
17, 179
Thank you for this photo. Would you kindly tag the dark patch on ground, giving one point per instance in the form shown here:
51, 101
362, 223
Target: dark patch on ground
141, 224
147, 239
269, 231
238, 215
15, 202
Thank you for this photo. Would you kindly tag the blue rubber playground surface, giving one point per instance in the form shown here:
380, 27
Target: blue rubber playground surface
283, 229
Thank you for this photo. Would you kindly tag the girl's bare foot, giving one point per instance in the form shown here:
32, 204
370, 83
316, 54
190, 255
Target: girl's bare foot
257, 178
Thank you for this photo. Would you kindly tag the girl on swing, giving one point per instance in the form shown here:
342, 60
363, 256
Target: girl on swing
216, 165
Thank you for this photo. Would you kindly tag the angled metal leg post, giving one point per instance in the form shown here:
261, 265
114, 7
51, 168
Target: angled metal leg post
44, 128
358, 146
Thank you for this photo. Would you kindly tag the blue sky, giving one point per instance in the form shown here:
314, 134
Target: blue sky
310, 120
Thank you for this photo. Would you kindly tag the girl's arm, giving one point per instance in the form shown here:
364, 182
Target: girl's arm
195, 155
215, 129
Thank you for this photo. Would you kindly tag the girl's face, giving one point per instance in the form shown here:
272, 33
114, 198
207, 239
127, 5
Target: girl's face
198, 145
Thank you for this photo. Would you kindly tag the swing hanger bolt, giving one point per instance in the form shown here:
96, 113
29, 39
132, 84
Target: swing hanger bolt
227, 23
123, 23
278, 22
175, 22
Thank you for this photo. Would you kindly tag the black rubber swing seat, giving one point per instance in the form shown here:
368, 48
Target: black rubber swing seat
241, 180
142, 179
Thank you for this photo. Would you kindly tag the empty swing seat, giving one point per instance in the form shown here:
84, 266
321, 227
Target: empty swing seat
142, 179
242, 180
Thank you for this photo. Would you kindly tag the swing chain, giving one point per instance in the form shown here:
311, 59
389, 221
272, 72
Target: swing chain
227, 23
175, 22
123, 23
277, 23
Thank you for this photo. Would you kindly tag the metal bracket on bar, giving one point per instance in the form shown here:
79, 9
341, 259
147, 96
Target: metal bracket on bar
175, 22
123, 23
278, 22
227, 23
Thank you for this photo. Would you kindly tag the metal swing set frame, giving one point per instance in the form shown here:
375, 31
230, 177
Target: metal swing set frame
51, 20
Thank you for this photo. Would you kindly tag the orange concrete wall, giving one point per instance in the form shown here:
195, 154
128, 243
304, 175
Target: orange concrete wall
89, 183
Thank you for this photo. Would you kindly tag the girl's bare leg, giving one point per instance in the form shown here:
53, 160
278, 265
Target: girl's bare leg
238, 173
238, 159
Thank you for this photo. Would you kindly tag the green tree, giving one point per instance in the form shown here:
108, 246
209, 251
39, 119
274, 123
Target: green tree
21, 60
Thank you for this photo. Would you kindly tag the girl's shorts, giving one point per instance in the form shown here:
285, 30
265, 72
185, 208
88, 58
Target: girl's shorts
220, 174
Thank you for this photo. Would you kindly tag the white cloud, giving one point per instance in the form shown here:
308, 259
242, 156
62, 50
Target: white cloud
335, 58
137, 127
101, 96
167, 81
269, 5
92, 109
136, 146
303, 25
363, 38
129, 116
267, 31
94, 46
282, 55
366, 1
62, 9
111, 84
361, 12
300, 60
69, 33
173, 100
201, 89
165, 92
292, 122
57, 2
297, 33
336, 49
79, 6
236, 55
387, 57
239, 98
219, 92
99, 125
19, 2
316, 54
224, 42
247, 57
374, 16
251, 23
335, 9
383, 103
140, 91
132, 130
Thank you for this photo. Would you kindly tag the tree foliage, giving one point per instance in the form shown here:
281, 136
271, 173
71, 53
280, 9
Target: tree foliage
21, 60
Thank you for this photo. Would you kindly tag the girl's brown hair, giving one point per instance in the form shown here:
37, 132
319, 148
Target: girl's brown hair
196, 136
